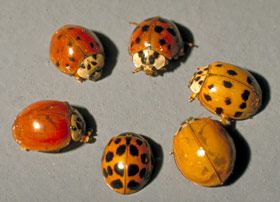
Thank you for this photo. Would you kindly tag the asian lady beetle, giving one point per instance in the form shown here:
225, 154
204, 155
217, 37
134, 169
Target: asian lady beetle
153, 43
78, 52
226, 90
204, 152
49, 126
127, 163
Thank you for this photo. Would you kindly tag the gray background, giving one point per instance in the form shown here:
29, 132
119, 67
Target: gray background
243, 32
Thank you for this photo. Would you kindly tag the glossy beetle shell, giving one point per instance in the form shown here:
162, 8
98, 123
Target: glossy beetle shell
127, 163
204, 152
47, 126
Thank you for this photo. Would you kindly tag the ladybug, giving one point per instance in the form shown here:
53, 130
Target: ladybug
153, 43
204, 152
78, 52
226, 90
127, 163
49, 126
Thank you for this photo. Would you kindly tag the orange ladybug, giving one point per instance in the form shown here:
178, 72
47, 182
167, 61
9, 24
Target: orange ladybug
127, 163
78, 52
204, 152
49, 126
153, 43
226, 90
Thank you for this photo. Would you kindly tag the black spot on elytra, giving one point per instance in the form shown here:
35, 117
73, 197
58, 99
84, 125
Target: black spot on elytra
70, 28
243, 105
207, 97
57, 64
144, 158
109, 156
118, 170
156, 54
232, 72
211, 86
219, 65
158, 29
120, 150
117, 184
131, 44
171, 31
142, 172
133, 169
151, 59
228, 101
169, 47
109, 170
137, 40
139, 142
162, 42
162, 20
133, 150
145, 28
117, 140
245, 95
238, 114
59, 36
69, 44
105, 174
197, 78
128, 139
72, 59
249, 80
78, 38
91, 44
227, 84
219, 110
133, 185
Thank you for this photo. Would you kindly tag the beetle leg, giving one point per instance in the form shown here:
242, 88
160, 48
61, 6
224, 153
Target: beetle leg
192, 97
223, 120
137, 70
79, 79
133, 23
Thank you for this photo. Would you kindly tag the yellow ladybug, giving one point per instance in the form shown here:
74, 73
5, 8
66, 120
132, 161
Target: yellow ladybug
226, 90
204, 152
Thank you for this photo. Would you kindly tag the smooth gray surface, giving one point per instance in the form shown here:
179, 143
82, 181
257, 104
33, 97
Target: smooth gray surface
245, 33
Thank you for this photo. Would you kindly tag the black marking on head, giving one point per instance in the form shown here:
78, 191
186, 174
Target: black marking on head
109, 156
105, 174
109, 170
69, 44
142, 172
219, 110
72, 59
238, 114
88, 66
197, 78
91, 44
162, 42
245, 95
151, 59
144, 158
78, 38
211, 86
158, 29
59, 36
70, 28
227, 84
249, 80
232, 72
73, 128
133, 185
133, 150
143, 59
117, 184
228, 101
120, 150
156, 54
137, 27
57, 64
145, 28
140, 54
219, 65
117, 140
133, 169
94, 56
93, 63
118, 170
79, 125
78, 119
128, 139
169, 47
206, 69
139, 142
162, 20
57, 51
243, 105
137, 40
207, 97
82, 65
200, 72
171, 31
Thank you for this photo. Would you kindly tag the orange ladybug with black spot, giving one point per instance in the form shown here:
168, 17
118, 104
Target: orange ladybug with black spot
78, 52
204, 152
153, 43
127, 163
226, 90
49, 126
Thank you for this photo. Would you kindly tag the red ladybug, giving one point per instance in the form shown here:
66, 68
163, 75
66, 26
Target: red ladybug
153, 43
49, 126
78, 52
